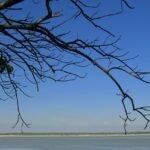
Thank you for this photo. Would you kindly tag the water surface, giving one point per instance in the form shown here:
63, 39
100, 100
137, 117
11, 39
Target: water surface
77, 143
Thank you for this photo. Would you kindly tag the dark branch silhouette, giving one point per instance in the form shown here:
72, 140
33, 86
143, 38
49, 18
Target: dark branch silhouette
31, 46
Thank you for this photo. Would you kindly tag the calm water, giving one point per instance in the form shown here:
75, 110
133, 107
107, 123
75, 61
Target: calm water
77, 143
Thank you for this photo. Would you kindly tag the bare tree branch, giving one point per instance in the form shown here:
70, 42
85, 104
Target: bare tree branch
33, 47
9, 3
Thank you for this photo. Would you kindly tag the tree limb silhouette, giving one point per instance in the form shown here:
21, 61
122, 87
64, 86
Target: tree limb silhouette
32, 47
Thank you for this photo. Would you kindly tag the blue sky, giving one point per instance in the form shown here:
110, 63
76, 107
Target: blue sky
90, 104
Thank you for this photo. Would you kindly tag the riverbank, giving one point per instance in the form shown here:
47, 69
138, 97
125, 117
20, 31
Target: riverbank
44, 135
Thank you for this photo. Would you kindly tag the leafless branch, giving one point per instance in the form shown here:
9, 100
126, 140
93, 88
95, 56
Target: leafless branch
33, 47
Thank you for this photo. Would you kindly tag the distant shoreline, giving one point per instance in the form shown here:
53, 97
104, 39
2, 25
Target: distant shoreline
48, 135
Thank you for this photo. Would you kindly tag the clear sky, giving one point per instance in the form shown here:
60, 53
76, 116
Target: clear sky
90, 104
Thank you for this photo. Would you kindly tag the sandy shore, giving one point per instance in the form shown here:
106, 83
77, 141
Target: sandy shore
70, 135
